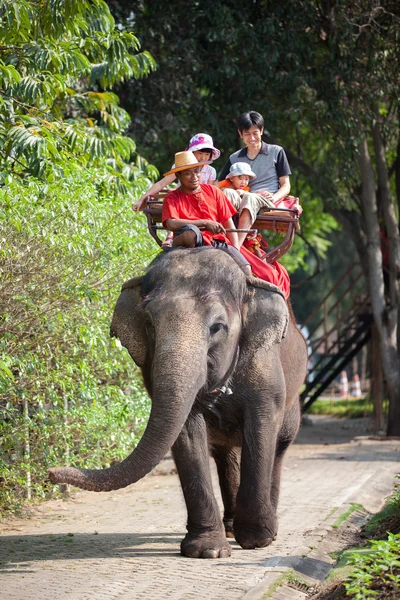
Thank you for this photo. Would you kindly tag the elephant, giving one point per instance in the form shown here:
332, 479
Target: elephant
223, 361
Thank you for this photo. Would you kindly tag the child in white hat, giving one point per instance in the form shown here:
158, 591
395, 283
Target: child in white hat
236, 189
236, 183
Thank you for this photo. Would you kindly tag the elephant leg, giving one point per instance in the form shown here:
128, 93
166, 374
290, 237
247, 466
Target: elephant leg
286, 436
206, 536
255, 524
228, 465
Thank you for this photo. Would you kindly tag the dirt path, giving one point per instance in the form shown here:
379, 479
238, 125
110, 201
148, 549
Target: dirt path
125, 545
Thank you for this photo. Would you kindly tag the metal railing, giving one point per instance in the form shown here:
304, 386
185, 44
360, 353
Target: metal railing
338, 328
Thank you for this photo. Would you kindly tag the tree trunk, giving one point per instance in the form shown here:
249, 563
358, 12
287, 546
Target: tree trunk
65, 488
385, 319
389, 216
397, 175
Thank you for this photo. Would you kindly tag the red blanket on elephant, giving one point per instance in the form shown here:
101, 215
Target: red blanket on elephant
210, 203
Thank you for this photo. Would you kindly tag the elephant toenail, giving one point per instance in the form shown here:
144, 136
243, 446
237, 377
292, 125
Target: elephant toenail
210, 553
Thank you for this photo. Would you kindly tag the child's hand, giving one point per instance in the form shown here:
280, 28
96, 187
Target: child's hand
139, 204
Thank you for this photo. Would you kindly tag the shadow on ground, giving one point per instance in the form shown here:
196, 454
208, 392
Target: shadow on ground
18, 549
19, 553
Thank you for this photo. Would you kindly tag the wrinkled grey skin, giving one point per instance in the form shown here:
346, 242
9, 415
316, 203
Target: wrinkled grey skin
194, 323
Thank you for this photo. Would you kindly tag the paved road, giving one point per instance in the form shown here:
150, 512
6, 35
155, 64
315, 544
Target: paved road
125, 545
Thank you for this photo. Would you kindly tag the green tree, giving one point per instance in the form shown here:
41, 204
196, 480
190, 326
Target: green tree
58, 61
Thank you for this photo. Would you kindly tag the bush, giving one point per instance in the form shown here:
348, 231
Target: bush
93, 434
67, 392
376, 572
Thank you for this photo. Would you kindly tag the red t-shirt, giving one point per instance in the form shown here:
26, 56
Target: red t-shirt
208, 203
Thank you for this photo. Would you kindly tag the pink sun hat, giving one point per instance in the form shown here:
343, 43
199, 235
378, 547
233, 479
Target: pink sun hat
201, 141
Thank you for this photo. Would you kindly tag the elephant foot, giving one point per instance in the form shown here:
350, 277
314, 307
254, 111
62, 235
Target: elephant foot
257, 536
211, 545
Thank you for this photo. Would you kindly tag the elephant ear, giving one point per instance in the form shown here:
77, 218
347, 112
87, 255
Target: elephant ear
265, 314
128, 323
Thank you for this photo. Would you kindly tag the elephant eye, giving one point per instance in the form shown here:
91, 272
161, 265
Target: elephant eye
216, 328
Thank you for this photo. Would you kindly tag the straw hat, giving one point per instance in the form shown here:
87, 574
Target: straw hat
186, 160
203, 141
241, 168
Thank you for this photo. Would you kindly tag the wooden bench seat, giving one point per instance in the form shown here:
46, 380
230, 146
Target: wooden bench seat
285, 222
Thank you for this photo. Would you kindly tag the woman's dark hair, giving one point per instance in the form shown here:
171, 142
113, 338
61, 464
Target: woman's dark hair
248, 119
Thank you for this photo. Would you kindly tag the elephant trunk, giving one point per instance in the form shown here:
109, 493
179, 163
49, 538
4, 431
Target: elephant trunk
174, 393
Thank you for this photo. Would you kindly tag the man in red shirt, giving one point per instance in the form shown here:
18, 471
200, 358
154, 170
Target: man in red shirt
193, 206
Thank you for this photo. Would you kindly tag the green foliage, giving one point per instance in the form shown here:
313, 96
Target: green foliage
68, 174
57, 59
91, 434
376, 572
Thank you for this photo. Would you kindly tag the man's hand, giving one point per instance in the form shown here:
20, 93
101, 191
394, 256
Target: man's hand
266, 195
214, 227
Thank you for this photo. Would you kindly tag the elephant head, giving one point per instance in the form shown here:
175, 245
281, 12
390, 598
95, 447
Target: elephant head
184, 324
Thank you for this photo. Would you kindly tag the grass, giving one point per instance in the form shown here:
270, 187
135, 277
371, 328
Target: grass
388, 518
289, 577
352, 508
351, 408
274, 586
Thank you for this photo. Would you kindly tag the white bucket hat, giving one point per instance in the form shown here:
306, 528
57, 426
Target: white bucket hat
202, 141
240, 168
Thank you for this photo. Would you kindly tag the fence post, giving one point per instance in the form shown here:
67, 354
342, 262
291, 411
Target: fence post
27, 450
65, 488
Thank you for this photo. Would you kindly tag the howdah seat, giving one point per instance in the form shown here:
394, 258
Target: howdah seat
283, 221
